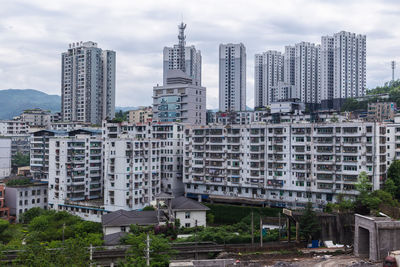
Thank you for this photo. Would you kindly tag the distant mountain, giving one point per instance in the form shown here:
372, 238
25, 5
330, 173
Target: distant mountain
14, 101
125, 108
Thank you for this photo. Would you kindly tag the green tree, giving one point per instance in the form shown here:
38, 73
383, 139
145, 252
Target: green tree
390, 187
20, 160
210, 218
5, 235
365, 200
34, 255
393, 174
160, 251
30, 214
350, 104
149, 208
309, 225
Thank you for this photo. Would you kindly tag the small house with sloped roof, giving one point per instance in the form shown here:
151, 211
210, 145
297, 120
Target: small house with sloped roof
189, 212
120, 220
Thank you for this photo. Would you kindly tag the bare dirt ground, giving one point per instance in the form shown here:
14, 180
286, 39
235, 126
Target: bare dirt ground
328, 261
300, 260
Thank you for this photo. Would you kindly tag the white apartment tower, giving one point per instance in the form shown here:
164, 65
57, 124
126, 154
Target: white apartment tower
349, 65
87, 83
181, 57
232, 77
268, 71
307, 82
326, 67
289, 60
343, 67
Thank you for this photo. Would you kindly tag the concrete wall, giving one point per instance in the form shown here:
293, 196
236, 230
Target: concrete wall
374, 237
200, 216
114, 229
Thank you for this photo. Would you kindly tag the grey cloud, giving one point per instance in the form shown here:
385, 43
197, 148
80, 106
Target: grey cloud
34, 34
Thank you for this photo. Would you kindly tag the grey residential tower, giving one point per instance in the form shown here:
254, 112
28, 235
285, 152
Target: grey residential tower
87, 83
232, 77
182, 57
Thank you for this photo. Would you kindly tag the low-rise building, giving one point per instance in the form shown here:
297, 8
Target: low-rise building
121, 220
68, 126
4, 210
381, 111
140, 115
36, 117
13, 127
21, 198
189, 212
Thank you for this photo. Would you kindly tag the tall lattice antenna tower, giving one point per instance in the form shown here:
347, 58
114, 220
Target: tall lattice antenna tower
182, 44
393, 67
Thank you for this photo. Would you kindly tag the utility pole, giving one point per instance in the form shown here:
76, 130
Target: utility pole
393, 67
63, 233
279, 236
147, 250
252, 229
91, 254
195, 239
261, 232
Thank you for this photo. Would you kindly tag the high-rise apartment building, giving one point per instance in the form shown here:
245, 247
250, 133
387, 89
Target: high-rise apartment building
182, 57
87, 83
326, 68
268, 71
232, 77
289, 63
307, 84
343, 67
349, 65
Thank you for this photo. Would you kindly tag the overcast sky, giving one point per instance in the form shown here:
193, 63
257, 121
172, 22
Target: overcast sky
34, 33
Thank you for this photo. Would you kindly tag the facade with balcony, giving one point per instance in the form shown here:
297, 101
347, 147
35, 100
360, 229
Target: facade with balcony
132, 173
285, 164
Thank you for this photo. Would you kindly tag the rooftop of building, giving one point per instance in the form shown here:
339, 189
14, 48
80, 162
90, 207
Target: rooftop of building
126, 218
187, 204
23, 181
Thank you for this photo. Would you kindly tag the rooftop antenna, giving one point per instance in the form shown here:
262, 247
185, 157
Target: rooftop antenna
393, 67
182, 44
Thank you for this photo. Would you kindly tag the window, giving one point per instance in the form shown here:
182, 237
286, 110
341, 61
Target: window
187, 215
123, 228
187, 225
